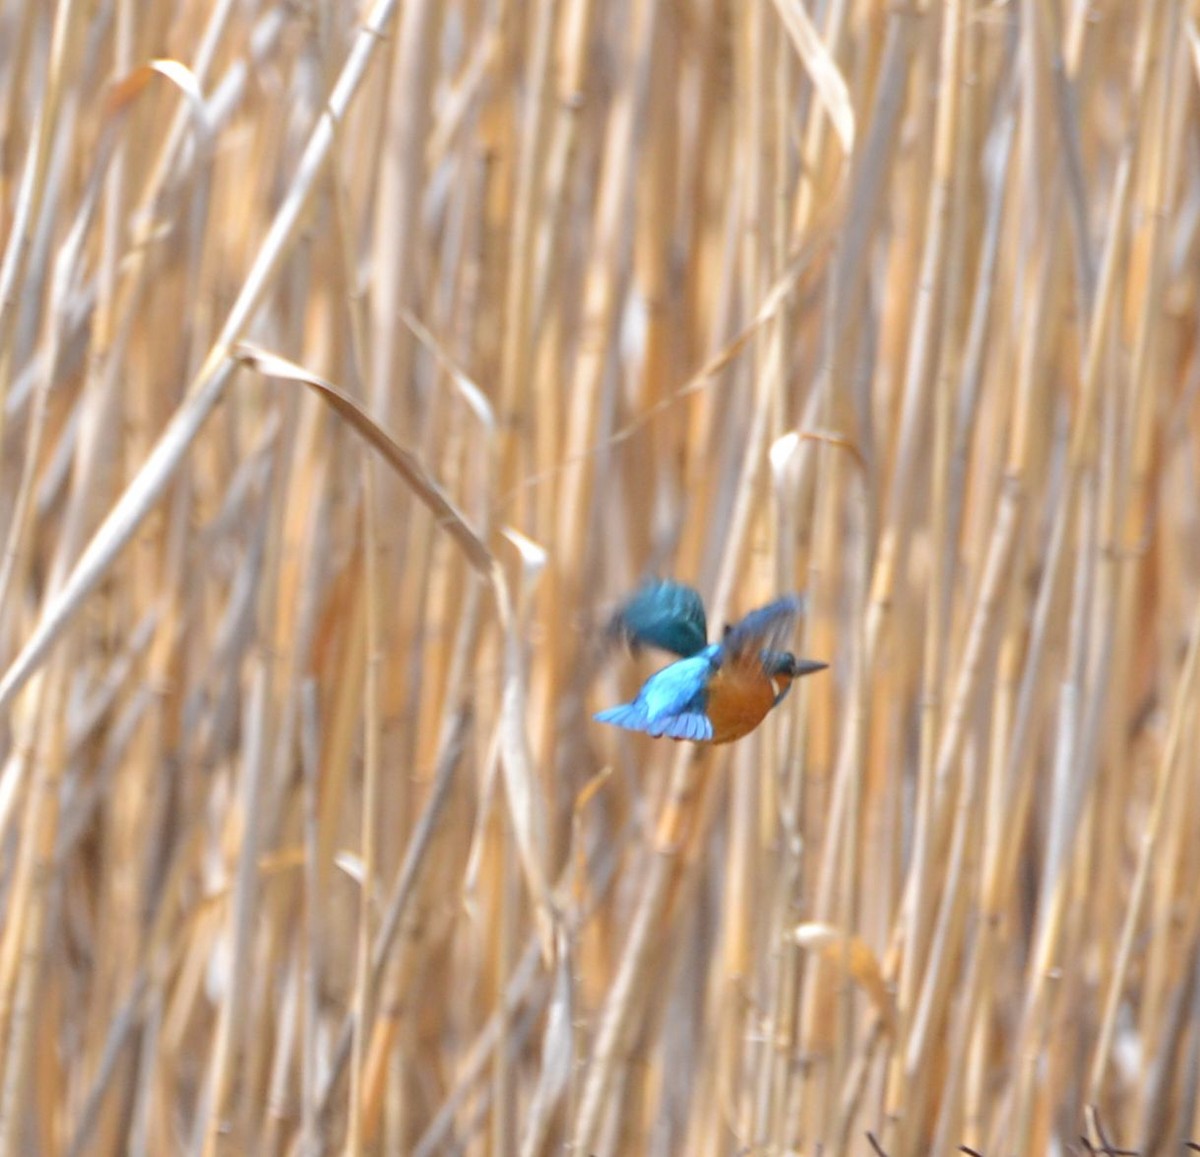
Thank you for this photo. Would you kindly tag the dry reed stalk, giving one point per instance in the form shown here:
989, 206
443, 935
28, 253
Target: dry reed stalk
922, 380
364, 989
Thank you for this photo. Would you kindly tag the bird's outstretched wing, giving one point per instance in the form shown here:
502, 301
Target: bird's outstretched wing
671, 702
693, 725
690, 725
763, 630
663, 614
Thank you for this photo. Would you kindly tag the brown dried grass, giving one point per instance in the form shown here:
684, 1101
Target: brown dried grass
353, 370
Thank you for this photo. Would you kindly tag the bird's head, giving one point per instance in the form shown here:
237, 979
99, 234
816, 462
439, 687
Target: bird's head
782, 667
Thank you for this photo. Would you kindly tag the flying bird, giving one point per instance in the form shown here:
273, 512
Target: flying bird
715, 692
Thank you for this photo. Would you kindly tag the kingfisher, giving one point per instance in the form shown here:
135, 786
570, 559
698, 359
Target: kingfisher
715, 692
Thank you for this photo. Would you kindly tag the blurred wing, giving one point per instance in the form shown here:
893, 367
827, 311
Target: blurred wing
763, 630
633, 717
678, 688
690, 725
664, 614
670, 702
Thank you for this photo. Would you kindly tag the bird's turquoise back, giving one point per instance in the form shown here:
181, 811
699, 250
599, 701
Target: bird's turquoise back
665, 614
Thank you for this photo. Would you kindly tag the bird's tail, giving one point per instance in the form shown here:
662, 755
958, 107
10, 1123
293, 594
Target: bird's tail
629, 715
693, 725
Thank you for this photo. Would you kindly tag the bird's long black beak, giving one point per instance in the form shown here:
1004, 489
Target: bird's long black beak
809, 667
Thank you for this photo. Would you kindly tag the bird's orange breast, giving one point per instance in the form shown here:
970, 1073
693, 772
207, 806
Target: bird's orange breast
738, 701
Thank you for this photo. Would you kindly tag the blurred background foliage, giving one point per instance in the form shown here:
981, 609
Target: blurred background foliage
357, 359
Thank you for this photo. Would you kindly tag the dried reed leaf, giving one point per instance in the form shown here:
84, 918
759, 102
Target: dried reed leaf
471, 393
533, 556
133, 84
827, 78
403, 461
853, 956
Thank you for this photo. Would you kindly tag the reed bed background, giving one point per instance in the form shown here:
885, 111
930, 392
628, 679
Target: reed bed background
356, 361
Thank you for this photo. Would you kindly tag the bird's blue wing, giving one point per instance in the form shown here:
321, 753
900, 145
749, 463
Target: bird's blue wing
664, 614
670, 702
679, 687
631, 716
762, 630
690, 725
